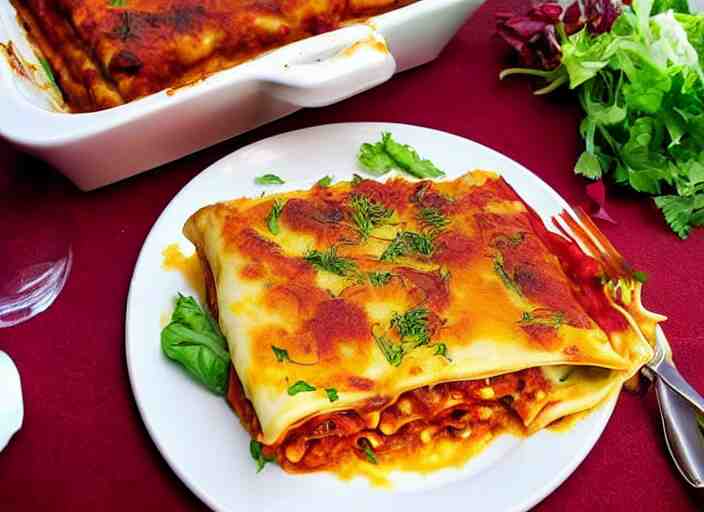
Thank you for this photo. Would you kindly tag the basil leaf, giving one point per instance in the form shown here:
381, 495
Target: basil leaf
332, 394
193, 339
300, 387
255, 450
324, 182
268, 179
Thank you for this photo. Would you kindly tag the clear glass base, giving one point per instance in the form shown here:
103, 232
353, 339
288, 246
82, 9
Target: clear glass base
32, 290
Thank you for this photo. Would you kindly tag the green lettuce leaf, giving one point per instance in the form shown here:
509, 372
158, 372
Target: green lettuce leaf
193, 340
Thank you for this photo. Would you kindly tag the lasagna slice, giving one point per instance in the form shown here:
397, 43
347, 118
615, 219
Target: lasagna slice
104, 53
377, 318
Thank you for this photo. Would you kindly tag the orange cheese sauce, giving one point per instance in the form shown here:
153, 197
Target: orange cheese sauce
188, 266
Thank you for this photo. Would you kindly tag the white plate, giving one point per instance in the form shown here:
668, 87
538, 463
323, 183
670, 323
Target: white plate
199, 435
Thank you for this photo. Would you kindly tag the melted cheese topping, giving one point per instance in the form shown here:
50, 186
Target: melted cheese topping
492, 293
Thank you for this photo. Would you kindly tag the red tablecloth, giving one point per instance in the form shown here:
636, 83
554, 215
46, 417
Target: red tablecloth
83, 445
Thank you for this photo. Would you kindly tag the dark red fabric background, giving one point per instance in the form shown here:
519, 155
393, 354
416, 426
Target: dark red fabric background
83, 446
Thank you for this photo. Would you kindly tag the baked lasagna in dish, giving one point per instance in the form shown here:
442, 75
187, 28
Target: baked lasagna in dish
104, 53
368, 322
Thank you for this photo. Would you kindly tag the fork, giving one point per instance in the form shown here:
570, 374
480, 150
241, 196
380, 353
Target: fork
681, 406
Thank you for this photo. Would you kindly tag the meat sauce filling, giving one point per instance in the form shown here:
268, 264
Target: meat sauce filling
458, 411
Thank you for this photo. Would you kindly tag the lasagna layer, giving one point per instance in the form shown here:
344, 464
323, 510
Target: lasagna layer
107, 52
382, 315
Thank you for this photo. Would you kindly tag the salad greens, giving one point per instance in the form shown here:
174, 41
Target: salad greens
387, 154
641, 86
193, 339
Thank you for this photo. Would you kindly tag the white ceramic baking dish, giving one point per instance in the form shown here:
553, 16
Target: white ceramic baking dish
98, 148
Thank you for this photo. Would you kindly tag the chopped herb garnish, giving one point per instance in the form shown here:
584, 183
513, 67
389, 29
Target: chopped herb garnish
621, 289
282, 356
392, 352
356, 179
330, 262
412, 330
255, 449
332, 394
368, 214
380, 157
406, 243
280, 353
507, 279
379, 279
272, 220
514, 240
412, 326
117, 3
268, 179
445, 274
433, 220
47, 70
641, 277
543, 317
441, 350
300, 387
369, 451
324, 182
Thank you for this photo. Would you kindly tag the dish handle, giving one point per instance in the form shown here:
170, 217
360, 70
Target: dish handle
357, 62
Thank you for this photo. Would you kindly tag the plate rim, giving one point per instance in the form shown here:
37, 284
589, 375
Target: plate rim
605, 408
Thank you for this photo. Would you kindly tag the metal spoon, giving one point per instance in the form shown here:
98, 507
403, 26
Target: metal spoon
11, 406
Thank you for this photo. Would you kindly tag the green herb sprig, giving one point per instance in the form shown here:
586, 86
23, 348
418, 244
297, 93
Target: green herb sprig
272, 219
300, 386
329, 261
268, 179
381, 157
407, 243
508, 281
433, 221
380, 278
368, 214
548, 318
